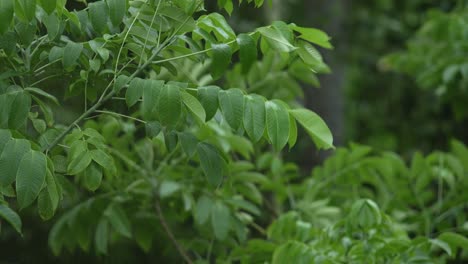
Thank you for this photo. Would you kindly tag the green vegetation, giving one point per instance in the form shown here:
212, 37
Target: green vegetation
149, 130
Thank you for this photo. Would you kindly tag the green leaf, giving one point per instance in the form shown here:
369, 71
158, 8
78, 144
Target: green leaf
10, 158
25, 10
311, 56
293, 252
220, 220
454, 240
11, 217
231, 103
42, 93
276, 39
53, 26
101, 236
151, 92
315, 126
79, 162
247, 51
254, 116
71, 53
134, 91
92, 177
117, 10
98, 13
118, 220
153, 129
57, 235
211, 162
48, 5
221, 59
120, 83
6, 15
443, 245
14, 109
208, 96
292, 132
30, 177
48, 198
313, 35
189, 143
277, 120
169, 105
104, 159
167, 188
5, 136
203, 210
194, 106
365, 214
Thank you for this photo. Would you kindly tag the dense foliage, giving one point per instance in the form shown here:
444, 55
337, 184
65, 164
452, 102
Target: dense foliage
150, 130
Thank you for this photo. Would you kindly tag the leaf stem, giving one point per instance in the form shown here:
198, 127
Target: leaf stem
121, 115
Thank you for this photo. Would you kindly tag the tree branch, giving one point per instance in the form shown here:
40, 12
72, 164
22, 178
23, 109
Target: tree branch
169, 233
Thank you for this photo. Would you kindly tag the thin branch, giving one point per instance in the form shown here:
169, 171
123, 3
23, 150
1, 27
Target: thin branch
121, 115
169, 233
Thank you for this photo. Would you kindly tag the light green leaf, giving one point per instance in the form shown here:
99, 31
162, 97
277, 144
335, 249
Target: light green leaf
313, 35
211, 162
10, 158
11, 217
220, 220
101, 236
117, 10
315, 126
231, 103
169, 105
52, 24
221, 59
30, 177
194, 106
71, 53
247, 51
254, 116
134, 91
98, 13
118, 220
208, 96
203, 210
6, 15
167, 188
277, 120
92, 177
